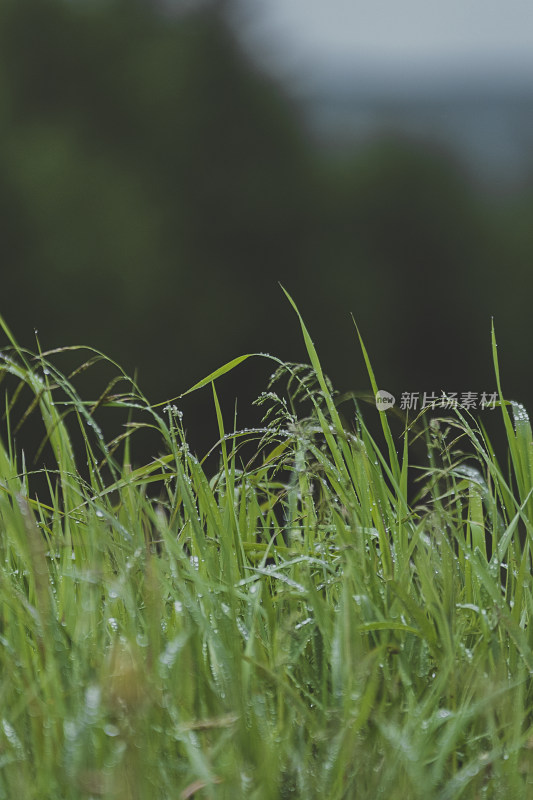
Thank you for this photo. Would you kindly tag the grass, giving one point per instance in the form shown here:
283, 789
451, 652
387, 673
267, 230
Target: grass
295, 625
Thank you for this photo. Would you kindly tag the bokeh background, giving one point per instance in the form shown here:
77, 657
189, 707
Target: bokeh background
163, 166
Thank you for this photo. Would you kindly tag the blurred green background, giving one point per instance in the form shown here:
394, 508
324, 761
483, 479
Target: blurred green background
155, 186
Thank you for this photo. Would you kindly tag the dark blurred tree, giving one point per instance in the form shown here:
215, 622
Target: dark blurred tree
406, 229
157, 179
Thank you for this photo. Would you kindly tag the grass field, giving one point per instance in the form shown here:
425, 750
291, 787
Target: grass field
293, 624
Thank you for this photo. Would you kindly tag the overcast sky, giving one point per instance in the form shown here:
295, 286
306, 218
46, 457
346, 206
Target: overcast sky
295, 34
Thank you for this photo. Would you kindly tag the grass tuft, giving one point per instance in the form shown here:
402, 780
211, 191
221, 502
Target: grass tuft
293, 625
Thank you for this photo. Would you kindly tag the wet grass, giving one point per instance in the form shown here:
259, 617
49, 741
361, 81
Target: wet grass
290, 625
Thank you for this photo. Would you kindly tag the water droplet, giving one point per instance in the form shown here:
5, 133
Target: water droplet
92, 697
